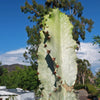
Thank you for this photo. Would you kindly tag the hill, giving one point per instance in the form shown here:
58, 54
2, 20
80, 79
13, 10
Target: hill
12, 67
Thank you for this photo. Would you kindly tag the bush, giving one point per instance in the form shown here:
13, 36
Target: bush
91, 89
79, 86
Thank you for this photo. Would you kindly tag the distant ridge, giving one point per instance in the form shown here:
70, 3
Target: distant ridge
12, 67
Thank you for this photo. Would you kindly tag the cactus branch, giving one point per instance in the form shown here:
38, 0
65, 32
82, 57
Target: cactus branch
57, 65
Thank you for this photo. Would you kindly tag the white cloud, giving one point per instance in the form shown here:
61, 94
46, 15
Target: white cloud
87, 51
13, 57
90, 52
19, 51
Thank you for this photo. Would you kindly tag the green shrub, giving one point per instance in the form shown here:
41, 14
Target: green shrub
91, 89
79, 86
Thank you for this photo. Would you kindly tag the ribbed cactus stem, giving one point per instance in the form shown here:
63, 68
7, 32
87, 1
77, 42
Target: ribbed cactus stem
57, 67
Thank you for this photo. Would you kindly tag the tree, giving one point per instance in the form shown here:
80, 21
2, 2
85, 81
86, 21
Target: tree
24, 78
72, 8
96, 40
3, 73
0, 63
84, 73
29, 79
98, 79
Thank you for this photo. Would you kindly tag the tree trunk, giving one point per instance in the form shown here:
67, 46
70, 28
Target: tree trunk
83, 79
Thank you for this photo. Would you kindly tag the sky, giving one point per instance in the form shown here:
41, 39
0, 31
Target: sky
13, 35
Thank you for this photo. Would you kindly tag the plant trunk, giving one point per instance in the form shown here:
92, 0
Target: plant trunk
83, 79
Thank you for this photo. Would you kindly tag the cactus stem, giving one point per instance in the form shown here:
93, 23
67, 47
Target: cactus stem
57, 86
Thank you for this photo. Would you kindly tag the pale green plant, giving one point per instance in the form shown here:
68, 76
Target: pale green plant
57, 67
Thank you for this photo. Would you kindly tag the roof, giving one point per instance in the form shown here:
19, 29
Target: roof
18, 91
6, 93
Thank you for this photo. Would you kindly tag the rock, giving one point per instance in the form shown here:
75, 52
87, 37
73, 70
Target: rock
82, 94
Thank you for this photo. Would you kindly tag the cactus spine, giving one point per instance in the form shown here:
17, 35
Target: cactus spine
57, 66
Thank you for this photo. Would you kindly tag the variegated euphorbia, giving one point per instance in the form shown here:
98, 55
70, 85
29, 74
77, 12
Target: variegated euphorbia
57, 67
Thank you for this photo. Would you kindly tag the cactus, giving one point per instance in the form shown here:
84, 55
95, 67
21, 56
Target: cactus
57, 67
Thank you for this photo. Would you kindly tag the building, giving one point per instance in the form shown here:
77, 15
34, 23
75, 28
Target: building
15, 94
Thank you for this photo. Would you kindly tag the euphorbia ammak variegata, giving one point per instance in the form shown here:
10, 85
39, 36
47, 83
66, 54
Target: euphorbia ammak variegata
57, 67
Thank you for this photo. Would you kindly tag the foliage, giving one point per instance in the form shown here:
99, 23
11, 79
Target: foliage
24, 78
98, 79
79, 86
96, 40
72, 8
84, 73
91, 89
0, 63
99, 94
2, 71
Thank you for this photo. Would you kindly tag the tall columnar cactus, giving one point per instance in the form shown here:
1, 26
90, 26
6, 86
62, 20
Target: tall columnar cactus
57, 66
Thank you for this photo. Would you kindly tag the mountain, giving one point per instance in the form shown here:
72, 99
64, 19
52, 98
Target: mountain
13, 67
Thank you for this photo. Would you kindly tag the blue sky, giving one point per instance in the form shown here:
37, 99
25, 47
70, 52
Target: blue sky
92, 11
13, 22
12, 25
13, 35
